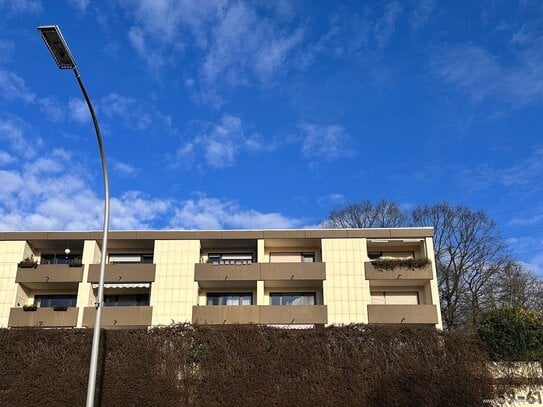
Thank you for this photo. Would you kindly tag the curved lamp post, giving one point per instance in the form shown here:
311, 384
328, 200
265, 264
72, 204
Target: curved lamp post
59, 50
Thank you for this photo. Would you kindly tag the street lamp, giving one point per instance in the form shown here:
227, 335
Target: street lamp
59, 50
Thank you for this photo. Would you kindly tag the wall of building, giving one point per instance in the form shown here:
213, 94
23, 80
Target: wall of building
346, 292
174, 291
11, 253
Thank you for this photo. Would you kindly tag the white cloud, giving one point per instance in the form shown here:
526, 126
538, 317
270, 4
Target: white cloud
78, 110
238, 44
51, 108
13, 131
124, 169
243, 43
45, 196
13, 87
132, 113
220, 143
212, 213
326, 143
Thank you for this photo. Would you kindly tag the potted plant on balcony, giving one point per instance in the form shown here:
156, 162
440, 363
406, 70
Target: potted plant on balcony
391, 264
28, 262
32, 307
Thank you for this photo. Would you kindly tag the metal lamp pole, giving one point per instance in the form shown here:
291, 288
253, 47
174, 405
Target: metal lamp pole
59, 50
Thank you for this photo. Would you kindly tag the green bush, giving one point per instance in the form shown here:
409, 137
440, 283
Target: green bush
513, 334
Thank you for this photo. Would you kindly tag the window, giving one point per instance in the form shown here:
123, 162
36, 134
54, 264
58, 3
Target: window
229, 298
130, 258
292, 257
57, 258
395, 297
230, 258
126, 300
292, 298
60, 300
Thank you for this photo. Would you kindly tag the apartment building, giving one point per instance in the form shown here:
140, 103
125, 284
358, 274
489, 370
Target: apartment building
287, 278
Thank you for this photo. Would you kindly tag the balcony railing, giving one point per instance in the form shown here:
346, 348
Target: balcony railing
43, 317
260, 271
399, 272
50, 273
402, 314
113, 317
260, 314
123, 273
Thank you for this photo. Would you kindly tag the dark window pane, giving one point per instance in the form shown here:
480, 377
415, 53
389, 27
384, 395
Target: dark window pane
61, 300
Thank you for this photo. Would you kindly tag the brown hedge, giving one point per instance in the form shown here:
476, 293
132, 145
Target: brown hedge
245, 365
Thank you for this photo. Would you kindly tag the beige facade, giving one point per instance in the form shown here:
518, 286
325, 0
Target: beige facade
297, 278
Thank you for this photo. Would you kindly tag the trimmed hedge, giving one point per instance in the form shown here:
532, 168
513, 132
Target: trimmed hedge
245, 365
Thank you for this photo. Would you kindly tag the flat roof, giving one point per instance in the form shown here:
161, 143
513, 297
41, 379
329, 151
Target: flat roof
374, 233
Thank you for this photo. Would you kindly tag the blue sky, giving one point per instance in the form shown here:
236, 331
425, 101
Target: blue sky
231, 114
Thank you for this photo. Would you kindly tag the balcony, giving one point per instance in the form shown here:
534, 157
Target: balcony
293, 314
226, 314
123, 273
292, 271
260, 314
402, 314
119, 317
398, 273
206, 272
50, 273
209, 272
43, 317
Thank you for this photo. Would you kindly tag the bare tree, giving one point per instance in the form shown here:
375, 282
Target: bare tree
469, 252
517, 286
365, 214
475, 271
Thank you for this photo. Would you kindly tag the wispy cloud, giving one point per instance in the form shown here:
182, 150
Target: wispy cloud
212, 213
124, 169
81, 5
527, 174
421, 13
331, 200
52, 108
326, 143
6, 50
220, 143
237, 44
16, 7
5, 158
128, 109
13, 132
13, 87
384, 29
484, 77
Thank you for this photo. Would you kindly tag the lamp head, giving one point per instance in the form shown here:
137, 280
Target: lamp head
67, 251
57, 46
